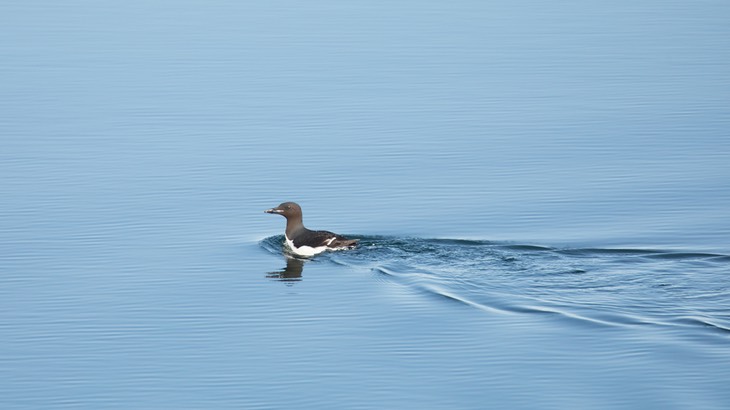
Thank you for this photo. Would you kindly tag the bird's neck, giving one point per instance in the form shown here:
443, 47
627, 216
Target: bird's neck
293, 225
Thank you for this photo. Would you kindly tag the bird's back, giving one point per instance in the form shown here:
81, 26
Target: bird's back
315, 239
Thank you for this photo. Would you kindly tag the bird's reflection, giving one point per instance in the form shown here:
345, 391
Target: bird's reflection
291, 273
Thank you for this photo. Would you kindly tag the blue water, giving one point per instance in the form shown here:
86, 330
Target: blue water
540, 191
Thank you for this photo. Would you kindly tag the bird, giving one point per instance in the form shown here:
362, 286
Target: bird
304, 242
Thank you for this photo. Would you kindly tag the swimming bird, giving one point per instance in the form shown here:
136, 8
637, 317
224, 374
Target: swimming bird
304, 242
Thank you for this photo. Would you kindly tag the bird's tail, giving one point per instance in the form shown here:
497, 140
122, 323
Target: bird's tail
346, 243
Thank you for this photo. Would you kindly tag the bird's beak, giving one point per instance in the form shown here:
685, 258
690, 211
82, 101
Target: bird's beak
273, 211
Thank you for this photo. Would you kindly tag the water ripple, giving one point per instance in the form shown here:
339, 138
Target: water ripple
601, 286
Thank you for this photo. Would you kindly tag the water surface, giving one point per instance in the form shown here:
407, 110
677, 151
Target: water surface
540, 192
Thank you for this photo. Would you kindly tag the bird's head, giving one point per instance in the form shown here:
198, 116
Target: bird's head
287, 209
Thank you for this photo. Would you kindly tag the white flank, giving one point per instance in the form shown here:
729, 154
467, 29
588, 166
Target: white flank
304, 250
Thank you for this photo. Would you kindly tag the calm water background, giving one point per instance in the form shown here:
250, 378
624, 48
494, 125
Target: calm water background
541, 192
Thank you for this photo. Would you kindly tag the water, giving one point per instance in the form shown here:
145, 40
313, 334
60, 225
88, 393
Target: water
540, 192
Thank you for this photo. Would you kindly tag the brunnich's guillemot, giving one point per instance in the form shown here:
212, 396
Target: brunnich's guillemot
304, 242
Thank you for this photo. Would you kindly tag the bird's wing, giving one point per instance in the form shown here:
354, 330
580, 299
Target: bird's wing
314, 238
